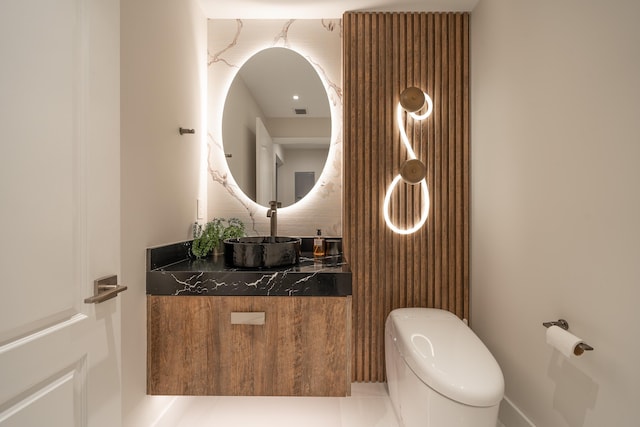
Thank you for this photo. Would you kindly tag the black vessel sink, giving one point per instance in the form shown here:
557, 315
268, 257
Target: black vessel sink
261, 252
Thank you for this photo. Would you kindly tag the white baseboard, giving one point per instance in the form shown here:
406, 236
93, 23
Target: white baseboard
511, 416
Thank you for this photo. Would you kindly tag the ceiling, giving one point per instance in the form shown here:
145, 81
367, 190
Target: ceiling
288, 74
328, 9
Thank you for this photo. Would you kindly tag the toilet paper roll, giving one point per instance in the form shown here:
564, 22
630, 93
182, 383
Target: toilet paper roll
564, 341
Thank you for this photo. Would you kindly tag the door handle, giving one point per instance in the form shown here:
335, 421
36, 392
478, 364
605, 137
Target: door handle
105, 288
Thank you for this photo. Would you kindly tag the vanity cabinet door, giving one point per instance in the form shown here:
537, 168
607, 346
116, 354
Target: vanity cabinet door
301, 348
180, 344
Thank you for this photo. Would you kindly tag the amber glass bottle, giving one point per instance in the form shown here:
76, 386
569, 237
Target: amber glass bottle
318, 245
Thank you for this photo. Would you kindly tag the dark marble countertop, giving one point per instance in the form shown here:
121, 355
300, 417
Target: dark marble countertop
171, 271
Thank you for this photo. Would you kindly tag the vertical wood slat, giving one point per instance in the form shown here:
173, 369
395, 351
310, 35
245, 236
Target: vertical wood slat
383, 54
375, 172
466, 165
387, 243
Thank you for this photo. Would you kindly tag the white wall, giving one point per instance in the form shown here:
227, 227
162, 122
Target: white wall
163, 84
556, 203
239, 118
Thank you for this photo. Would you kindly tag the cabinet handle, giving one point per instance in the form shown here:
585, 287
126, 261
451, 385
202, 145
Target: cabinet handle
247, 318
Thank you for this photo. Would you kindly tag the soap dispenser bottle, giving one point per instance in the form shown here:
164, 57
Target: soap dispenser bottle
318, 245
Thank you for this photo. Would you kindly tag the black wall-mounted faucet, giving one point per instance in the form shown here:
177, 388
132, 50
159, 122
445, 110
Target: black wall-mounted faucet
273, 214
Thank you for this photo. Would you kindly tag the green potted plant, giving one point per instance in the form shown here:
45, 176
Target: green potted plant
208, 239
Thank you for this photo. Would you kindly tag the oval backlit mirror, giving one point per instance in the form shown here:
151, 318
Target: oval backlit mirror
276, 127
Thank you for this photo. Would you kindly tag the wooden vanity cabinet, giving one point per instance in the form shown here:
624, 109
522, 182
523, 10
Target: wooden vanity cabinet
302, 349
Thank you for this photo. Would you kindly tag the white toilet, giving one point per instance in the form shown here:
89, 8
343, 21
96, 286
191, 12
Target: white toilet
439, 373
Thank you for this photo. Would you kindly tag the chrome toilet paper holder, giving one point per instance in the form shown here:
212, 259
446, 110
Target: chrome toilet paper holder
565, 325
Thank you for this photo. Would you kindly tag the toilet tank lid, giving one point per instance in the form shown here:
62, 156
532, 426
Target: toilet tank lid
447, 355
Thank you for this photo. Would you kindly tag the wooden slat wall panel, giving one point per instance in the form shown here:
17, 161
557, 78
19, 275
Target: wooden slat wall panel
383, 54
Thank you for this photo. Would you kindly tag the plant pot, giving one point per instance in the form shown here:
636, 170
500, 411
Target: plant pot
218, 251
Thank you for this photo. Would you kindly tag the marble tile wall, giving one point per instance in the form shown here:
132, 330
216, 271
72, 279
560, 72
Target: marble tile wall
230, 44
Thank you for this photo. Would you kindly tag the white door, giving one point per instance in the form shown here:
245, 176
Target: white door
59, 212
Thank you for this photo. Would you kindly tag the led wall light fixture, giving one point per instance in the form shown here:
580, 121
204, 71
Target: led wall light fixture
413, 171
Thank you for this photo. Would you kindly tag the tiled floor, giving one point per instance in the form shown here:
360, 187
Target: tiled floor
368, 406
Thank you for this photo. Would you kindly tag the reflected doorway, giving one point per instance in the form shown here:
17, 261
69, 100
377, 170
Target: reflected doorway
304, 182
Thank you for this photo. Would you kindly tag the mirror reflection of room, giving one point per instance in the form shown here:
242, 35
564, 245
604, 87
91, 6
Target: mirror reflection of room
276, 127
